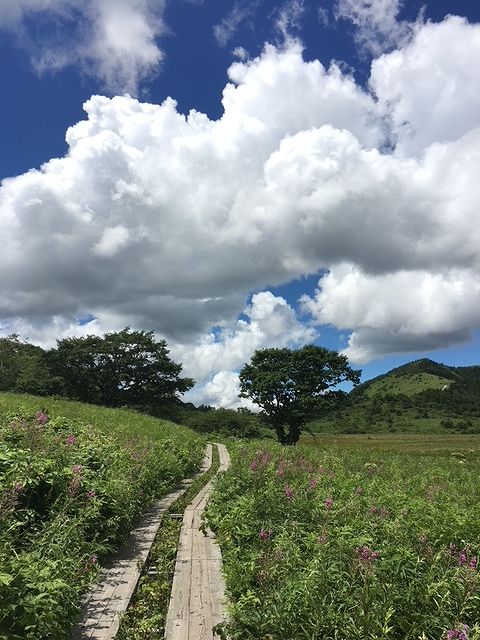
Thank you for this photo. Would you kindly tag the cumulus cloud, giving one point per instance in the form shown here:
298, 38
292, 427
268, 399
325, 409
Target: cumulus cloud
113, 40
428, 89
166, 222
213, 360
402, 311
377, 28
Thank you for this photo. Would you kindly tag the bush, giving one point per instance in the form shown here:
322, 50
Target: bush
226, 422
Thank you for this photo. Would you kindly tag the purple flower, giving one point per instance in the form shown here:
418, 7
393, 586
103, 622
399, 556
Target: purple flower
366, 555
384, 512
288, 491
254, 465
41, 417
70, 441
18, 488
328, 503
90, 563
264, 534
358, 491
373, 509
91, 493
473, 562
313, 483
77, 469
460, 633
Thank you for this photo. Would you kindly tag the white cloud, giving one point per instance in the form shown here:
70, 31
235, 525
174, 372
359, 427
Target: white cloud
221, 391
268, 321
166, 222
402, 311
113, 40
429, 89
376, 21
242, 11
289, 17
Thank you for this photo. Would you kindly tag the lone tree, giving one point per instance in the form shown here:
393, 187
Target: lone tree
292, 386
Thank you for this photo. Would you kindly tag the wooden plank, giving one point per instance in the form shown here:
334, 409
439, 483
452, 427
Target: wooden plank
107, 600
206, 604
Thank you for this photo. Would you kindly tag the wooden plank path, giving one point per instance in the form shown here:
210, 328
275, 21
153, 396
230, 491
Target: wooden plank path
197, 602
108, 599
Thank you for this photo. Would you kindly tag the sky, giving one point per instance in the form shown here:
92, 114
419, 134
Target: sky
243, 174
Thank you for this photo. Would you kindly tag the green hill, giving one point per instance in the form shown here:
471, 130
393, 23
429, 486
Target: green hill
422, 396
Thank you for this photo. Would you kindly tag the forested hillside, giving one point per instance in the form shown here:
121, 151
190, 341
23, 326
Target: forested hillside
421, 396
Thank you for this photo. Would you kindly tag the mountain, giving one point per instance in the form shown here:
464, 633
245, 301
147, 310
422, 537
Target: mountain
422, 396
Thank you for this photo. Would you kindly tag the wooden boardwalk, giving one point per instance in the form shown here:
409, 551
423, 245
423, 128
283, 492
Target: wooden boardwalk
197, 602
108, 599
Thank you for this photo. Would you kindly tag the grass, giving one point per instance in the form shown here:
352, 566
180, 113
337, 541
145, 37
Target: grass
414, 444
74, 479
356, 539
408, 384
124, 423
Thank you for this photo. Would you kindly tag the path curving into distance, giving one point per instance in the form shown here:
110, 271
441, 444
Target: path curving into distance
197, 603
109, 598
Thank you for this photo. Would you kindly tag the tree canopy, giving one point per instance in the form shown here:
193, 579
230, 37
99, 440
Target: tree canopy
291, 386
125, 368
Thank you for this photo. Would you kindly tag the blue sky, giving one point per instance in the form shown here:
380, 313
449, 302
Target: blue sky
309, 202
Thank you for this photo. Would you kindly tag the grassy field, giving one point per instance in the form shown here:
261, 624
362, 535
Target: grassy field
356, 538
121, 422
74, 480
414, 444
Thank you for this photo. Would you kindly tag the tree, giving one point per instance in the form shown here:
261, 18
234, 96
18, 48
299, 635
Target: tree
126, 368
292, 386
24, 368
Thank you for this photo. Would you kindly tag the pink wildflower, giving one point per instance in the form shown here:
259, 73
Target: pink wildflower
460, 633
328, 503
18, 488
41, 417
264, 534
70, 441
288, 491
366, 555
384, 512
254, 465
358, 491
91, 493
77, 469
313, 483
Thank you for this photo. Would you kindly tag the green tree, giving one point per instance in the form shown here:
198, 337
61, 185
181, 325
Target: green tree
125, 368
291, 386
24, 368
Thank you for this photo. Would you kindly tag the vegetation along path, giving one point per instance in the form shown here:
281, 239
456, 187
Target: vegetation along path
198, 591
109, 598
